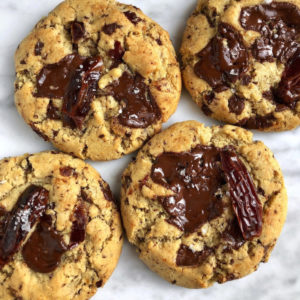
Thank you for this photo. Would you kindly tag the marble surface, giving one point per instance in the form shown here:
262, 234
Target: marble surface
279, 279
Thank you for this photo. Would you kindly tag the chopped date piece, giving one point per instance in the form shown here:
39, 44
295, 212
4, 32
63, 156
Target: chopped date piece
73, 79
245, 202
29, 208
81, 90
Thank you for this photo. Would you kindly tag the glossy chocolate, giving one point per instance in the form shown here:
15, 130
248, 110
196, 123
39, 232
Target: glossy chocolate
73, 79
45, 247
139, 107
194, 177
243, 194
224, 60
258, 122
187, 258
279, 24
29, 208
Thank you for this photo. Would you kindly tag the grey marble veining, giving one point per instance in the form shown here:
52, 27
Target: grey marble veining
279, 279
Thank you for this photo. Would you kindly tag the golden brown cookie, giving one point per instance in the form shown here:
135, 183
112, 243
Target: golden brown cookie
96, 78
203, 205
60, 231
241, 62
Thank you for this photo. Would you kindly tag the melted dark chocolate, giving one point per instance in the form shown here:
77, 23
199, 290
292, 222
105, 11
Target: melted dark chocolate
73, 79
194, 177
45, 247
29, 208
187, 258
279, 25
224, 60
139, 107
53, 112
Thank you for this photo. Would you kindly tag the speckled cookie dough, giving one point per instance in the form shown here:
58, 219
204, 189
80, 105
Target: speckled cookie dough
203, 205
60, 230
241, 62
96, 78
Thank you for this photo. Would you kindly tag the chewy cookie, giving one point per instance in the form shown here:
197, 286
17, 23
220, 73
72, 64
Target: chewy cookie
203, 205
60, 231
241, 62
96, 78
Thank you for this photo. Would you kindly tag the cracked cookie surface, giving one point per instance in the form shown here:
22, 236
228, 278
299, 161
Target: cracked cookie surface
241, 62
96, 78
179, 211
67, 236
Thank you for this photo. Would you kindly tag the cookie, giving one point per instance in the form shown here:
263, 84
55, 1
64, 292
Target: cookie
96, 78
241, 62
203, 205
60, 231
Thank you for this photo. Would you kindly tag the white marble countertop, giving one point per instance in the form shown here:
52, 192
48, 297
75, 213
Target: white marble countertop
278, 279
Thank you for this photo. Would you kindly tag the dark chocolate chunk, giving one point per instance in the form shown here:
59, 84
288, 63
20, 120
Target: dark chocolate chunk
206, 110
38, 48
99, 283
78, 225
194, 177
132, 17
77, 31
29, 208
53, 112
236, 104
106, 192
258, 122
73, 79
139, 107
288, 90
279, 26
278, 23
187, 257
66, 171
116, 54
109, 29
224, 59
45, 247
233, 236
